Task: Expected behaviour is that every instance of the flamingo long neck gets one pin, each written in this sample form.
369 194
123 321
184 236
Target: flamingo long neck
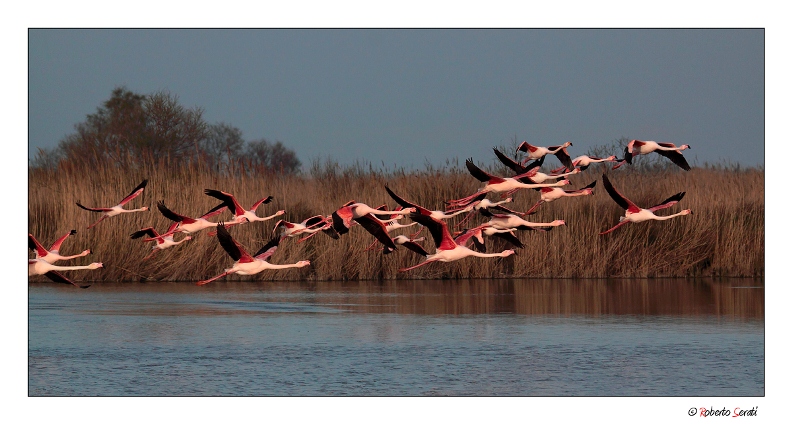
68 268
447 215
577 193
555 184
274 266
663 218
265 218
134 210
679 149
488 255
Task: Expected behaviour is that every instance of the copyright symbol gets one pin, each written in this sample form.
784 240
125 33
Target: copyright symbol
692 411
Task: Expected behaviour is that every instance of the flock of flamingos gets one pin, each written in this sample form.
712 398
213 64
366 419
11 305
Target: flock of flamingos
502 223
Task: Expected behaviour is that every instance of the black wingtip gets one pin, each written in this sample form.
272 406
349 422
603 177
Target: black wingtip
72 232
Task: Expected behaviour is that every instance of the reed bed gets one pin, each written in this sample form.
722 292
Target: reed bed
723 237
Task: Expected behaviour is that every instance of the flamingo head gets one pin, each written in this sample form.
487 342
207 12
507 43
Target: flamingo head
303 263
687 212
567 144
144 208
558 222
611 157
187 238
684 146
565 182
280 212
509 252
95 265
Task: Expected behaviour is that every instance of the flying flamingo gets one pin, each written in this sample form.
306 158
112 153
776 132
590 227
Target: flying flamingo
117 209
245 263
310 226
237 209
447 249
477 236
192 225
41 267
408 242
536 152
53 254
584 161
634 213
427 212
507 221
391 224
363 214
497 184
531 172
481 202
163 241
553 193
669 150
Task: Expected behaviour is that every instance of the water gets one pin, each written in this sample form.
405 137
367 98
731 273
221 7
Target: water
414 338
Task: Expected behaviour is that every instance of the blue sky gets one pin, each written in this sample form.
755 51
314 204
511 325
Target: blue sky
405 97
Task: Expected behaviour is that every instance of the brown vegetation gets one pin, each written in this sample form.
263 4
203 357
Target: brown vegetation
724 236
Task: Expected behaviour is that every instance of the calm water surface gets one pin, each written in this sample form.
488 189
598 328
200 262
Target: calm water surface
415 338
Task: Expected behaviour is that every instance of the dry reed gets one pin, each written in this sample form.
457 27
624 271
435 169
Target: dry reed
723 237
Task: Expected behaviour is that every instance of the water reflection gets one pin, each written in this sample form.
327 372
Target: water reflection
739 298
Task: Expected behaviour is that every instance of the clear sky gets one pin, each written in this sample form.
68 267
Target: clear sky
406 96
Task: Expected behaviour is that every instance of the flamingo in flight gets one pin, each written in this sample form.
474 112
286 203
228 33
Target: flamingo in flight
584 161
239 212
507 221
553 193
392 224
247 264
634 213
531 172
192 225
423 211
669 150
408 242
481 202
118 209
41 267
53 254
496 184
448 250
363 214
309 226
536 152
477 236
163 241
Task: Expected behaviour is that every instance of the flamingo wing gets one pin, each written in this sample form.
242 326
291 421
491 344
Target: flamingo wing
617 197
511 164
258 203
525 147
214 211
675 157
94 209
376 228
591 185
56 246
228 199
667 203
615 227
268 249
33 244
415 247
406 204
342 220
481 175
314 221
438 230
135 193
563 156
234 250
511 238
149 231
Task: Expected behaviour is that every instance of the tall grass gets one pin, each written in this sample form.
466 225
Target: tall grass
723 237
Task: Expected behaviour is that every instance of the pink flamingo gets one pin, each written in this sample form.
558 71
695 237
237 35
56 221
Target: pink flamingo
163 241
481 202
245 263
634 213
118 209
531 172
669 150
363 214
477 236
536 152
447 249
584 161
497 184
237 209
192 225
53 254
507 221
408 242
309 226
41 267
554 193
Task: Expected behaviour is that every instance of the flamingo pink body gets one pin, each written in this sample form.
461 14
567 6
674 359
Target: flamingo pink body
161 241
537 152
242 215
634 213
42 267
118 209
669 150
192 225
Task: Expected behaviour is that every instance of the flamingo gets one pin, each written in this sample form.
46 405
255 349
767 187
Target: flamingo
532 173
634 213
163 241
553 193
536 152
245 263
391 224
118 209
507 221
423 211
192 225
447 249
497 184
481 202
669 150
584 161
39 266
310 226
364 214
53 254
237 209
408 242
